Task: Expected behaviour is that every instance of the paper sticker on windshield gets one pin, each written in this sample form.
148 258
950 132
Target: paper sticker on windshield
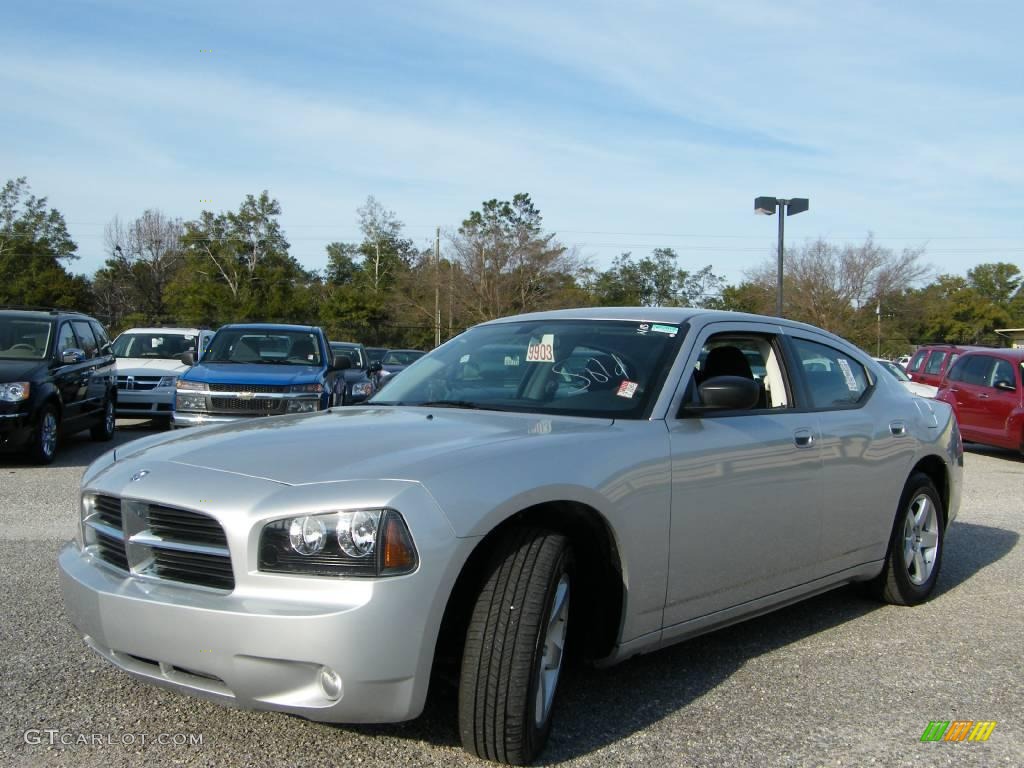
542 351
851 382
627 389
672 330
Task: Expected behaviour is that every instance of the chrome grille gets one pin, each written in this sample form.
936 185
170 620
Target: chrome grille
262 388
239 405
138 382
158 541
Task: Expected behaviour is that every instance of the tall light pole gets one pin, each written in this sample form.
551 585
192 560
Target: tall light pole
790 207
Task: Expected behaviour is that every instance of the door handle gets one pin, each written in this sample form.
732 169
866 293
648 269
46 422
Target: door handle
803 438
982 396
898 428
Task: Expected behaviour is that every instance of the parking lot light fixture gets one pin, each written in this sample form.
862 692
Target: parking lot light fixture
767 207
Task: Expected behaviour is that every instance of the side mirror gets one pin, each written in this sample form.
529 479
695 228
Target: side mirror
342 362
188 358
376 367
727 393
1005 386
72 356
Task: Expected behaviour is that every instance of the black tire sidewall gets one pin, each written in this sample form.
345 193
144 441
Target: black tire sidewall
538 735
916 593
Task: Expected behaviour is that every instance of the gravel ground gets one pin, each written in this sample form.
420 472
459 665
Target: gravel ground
834 681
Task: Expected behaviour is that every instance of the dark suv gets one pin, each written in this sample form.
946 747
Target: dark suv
56 377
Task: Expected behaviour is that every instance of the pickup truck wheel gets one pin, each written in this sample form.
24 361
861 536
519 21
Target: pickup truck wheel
915 547
46 435
515 647
104 431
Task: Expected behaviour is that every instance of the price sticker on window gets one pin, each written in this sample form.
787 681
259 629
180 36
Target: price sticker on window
542 351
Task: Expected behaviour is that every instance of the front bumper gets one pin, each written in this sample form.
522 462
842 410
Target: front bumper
15 430
145 403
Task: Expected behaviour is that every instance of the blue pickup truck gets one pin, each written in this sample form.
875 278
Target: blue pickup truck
265 369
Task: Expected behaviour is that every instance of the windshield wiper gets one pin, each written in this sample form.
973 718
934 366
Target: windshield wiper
468 404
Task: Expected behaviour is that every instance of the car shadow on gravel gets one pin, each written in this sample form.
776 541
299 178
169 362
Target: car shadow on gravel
597 708
79 450
997 453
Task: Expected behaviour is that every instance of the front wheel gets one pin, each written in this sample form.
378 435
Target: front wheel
46 435
515 648
915 546
104 431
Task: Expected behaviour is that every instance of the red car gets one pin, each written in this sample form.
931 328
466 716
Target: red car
930 363
985 389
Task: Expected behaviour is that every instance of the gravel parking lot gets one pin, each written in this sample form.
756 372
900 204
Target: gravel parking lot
837 680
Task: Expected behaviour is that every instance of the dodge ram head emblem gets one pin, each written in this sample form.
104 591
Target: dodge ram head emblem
139 475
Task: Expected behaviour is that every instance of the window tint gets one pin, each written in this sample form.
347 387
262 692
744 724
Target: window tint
935 362
84 334
1003 372
833 378
976 370
101 336
917 362
66 340
959 369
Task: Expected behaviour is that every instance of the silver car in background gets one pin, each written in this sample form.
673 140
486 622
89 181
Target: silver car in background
601 482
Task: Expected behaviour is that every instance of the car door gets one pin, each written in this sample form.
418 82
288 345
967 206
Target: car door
745 486
966 385
95 372
71 379
997 402
865 430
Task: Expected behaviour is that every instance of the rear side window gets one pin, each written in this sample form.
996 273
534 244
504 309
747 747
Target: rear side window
99 333
917 362
833 378
935 362
85 336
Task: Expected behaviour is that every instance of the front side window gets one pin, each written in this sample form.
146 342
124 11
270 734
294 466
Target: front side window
247 345
1002 376
351 352
749 356
597 368
25 339
85 337
833 378
66 340
935 362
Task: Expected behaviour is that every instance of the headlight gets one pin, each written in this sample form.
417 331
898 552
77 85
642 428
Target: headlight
14 391
313 389
198 386
303 406
361 542
362 389
189 402
167 381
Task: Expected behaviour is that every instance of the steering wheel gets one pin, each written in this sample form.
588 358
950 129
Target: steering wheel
26 347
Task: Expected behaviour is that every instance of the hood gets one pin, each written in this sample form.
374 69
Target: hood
351 443
250 373
20 370
148 366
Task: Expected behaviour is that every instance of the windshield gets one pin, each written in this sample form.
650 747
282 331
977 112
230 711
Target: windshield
349 351
894 369
402 357
24 339
600 368
162 346
247 345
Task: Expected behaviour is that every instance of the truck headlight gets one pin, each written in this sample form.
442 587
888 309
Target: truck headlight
362 389
15 391
303 406
311 389
360 542
167 381
198 386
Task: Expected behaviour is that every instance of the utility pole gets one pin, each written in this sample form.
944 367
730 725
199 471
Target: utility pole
878 321
437 287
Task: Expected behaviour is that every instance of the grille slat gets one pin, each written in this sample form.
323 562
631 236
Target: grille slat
111 550
237 404
264 388
182 525
108 509
193 568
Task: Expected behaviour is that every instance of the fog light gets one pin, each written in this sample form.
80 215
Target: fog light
330 683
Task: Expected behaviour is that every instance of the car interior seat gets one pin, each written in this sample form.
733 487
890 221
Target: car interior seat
302 349
730 361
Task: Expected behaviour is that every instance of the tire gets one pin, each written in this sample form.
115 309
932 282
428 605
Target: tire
514 649
915 547
104 431
46 435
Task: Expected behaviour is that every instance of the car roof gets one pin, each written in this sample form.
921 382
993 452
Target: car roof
268 327
347 343
165 329
1003 352
42 314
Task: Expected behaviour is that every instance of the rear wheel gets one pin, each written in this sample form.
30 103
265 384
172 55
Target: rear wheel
915 546
46 435
105 429
515 648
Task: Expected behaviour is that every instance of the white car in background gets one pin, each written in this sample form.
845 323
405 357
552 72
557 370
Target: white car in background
903 361
148 365
914 387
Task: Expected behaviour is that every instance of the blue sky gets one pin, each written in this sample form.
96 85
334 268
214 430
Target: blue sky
632 125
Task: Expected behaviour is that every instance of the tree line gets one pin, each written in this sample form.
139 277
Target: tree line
385 291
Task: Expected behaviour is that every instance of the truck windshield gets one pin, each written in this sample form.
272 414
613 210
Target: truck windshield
24 338
248 345
599 368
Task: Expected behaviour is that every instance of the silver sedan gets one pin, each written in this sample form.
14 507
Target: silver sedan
599 482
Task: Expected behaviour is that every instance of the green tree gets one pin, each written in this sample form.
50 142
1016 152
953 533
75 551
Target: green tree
34 244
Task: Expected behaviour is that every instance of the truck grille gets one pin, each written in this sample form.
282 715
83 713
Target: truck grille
261 388
239 405
137 382
164 542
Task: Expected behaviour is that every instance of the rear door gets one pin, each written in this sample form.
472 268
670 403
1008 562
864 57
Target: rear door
96 370
745 486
